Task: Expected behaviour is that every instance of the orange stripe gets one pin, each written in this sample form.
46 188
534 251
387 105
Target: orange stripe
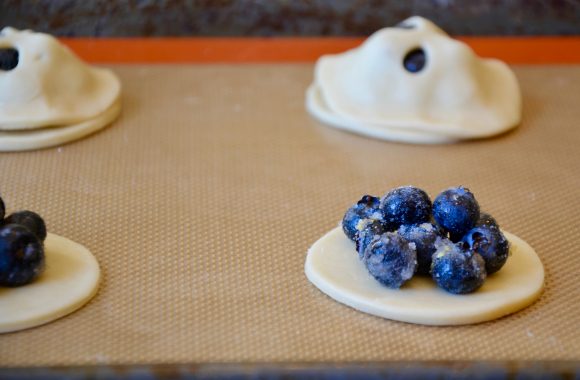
526 50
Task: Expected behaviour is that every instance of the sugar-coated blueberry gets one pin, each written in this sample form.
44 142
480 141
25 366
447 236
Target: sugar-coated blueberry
30 220
405 205
372 228
391 259
456 210
354 218
491 244
8 59
486 220
424 236
21 256
456 269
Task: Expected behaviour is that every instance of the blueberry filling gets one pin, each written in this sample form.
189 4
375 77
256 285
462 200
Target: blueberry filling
424 236
21 256
486 220
404 233
29 219
491 244
356 216
372 228
8 59
415 60
406 205
21 247
456 210
457 269
391 259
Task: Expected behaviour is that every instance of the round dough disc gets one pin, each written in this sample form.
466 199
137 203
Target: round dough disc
14 141
333 266
317 107
70 280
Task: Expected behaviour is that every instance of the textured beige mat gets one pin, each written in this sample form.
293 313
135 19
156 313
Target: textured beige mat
201 201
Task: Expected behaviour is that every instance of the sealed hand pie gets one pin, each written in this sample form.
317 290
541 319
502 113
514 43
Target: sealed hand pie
414 83
48 96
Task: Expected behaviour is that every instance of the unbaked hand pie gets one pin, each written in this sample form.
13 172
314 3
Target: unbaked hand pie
42 276
413 83
405 258
48 96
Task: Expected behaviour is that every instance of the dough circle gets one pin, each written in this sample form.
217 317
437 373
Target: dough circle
333 266
15 141
70 280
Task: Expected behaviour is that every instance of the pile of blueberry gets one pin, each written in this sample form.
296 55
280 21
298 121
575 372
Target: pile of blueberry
22 237
403 233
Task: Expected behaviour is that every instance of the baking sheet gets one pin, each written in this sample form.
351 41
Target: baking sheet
201 202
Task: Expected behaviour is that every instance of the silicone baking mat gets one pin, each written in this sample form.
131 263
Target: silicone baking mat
201 201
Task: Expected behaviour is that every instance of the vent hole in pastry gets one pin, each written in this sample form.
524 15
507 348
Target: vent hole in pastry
415 60
8 58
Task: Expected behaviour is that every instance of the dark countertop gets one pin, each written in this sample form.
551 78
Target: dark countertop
287 18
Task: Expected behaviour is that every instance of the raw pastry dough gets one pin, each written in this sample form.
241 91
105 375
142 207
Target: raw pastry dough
52 89
332 265
457 95
14 141
70 280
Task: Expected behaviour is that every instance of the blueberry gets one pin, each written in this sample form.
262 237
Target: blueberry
372 228
415 60
21 256
491 244
486 220
405 205
8 59
456 210
366 208
2 210
456 269
30 220
424 236
391 259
